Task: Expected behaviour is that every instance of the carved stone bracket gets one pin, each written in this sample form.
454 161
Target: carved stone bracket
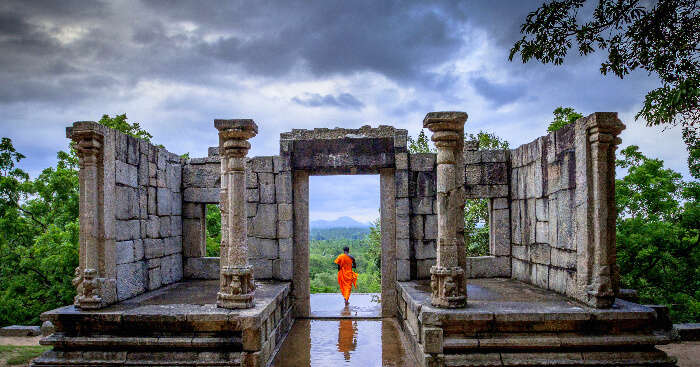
448 281
237 286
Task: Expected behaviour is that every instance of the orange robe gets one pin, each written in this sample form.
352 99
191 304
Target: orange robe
346 277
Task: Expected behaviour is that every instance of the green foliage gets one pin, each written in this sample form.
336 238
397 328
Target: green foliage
365 247
118 122
213 224
15 355
657 234
476 213
660 37
563 116
420 144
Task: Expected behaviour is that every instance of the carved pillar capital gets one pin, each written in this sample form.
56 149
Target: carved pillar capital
447 277
88 146
237 286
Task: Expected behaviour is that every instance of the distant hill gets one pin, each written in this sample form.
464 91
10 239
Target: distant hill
338 233
342 222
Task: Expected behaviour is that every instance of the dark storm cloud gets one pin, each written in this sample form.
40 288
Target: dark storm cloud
342 100
499 94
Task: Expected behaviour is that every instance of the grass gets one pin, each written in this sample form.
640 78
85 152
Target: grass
20 355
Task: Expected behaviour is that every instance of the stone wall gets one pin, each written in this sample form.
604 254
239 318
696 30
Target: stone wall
543 184
422 230
269 197
148 209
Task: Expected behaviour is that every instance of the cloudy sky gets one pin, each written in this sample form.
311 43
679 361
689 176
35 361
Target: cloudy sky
175 66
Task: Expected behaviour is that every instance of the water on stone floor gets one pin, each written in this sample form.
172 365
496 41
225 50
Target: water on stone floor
346 342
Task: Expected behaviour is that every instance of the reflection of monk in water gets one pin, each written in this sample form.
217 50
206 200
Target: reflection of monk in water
346 335
346 277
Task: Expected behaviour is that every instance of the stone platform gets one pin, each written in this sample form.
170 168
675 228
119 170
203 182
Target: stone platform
511 323
178 325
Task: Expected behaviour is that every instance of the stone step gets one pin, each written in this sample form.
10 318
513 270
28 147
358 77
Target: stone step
124 358
651 357
550 341
60 341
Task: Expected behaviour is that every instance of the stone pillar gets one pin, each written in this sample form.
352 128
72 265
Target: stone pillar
300 256
597 275
447 277
388 239
237 285
88 145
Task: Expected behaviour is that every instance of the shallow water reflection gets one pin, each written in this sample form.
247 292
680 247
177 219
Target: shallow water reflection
345 342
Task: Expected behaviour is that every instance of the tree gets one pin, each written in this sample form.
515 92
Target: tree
660 37
563 116
658 248
421 144
119 123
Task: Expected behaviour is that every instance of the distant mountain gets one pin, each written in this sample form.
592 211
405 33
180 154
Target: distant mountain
342 222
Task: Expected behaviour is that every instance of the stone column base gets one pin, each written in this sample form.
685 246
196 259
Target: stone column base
238 287
446 292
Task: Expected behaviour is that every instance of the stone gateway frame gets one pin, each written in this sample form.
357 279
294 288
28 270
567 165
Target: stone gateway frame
546 293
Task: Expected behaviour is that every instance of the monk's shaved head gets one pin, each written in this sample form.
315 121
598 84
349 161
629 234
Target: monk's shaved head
346 249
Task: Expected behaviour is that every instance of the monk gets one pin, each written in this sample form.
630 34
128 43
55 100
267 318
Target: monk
347 278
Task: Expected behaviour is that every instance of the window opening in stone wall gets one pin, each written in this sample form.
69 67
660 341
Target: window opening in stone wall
476 227
344 211
213 230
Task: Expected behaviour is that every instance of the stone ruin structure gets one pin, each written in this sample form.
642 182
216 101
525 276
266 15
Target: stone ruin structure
546 293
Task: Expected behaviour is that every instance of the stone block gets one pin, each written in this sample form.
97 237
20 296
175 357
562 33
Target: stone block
266 187
161 158
402 207
127 230
283 185
143 202
193 237
285 211
262 248
281 164
251 209
207 175
485 191
131 280
138 250
154 281
132 151
176 204
515 222
403 270
201 268
264 224
422 205
541 210
153 248
173 177
531 221
127 205
472 174
401 183
262 268
121 147
495 174
262 164
422 161
553 180
521 270
401 160
153 227
252 195
483 267
432 340
553 221
142 171
540 275
152 201
471 156
193 210
565 219
563 258
491 156
567 171
500 232
423 268
161 178
424 249
541 232
201 195
282 269
430 227
540 254
164 201
425 184
172 245
520 252
286 249
126 174
125 252
175 225
403 248
285 229
514 177
417 227
164 226
402 227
